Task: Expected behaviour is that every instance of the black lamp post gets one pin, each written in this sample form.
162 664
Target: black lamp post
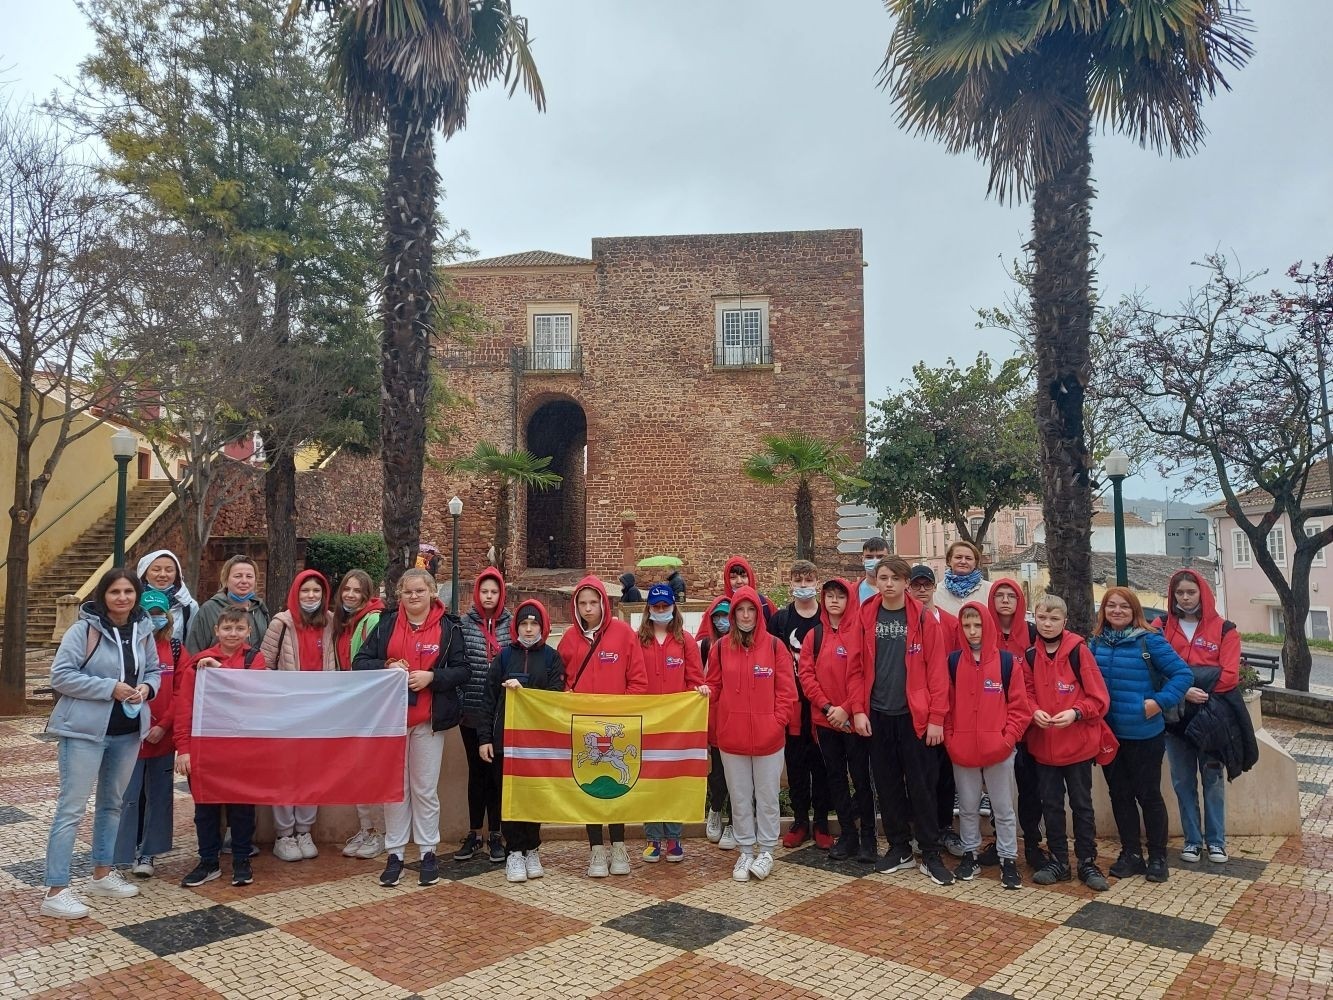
455 511
124 446
1116 465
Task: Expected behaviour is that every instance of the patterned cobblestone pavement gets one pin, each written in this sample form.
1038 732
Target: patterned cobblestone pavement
1258 926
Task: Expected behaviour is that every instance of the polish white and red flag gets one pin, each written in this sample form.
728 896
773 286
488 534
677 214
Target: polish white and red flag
278 737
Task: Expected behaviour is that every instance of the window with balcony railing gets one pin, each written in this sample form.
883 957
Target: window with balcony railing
553 348
742 339
554 359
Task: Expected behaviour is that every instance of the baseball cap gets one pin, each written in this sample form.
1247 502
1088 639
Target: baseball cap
154 599
661 593
723 608
921 572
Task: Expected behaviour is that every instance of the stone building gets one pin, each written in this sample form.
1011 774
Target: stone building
648 372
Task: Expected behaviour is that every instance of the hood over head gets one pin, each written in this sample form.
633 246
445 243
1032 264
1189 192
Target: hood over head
626 580
542 616
990 632
1207 602
726 574
489 573
847 588
706 630
740 597
1020 612
180 592
294 591
590 582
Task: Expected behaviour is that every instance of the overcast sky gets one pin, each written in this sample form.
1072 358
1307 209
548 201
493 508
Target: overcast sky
697 116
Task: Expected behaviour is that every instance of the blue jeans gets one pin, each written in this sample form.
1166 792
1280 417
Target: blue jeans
663 831
1187 764
147 817
106 763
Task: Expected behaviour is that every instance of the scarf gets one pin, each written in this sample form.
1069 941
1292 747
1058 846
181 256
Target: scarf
420 647
1113 635
961 586
488 633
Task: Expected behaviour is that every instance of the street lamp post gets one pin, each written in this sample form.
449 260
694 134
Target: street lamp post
1116 465
124 446
455 511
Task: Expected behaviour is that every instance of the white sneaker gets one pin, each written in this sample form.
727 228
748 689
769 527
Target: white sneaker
65 904
285 849
713 828
372 846
597 865
144 868
1218 855
619 859
741 873
532 861
352 846
728 839
111 884
516 868
762 865
306 845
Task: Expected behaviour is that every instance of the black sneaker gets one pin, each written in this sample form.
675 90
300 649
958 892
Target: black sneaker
240 872
1091 876
951 842
989 856
496 848
1128 865
868 852
932 867
203 872
470 848
1053 871
895 859
843 847
1009 877
967 869
430 869
393 872
984 809
1033 854
1155 871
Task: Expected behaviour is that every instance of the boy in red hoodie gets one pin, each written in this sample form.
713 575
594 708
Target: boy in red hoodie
904 659
602 655
833 678
988 714
230 652
1069 700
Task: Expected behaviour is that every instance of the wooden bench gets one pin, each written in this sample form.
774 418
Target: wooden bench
1262 661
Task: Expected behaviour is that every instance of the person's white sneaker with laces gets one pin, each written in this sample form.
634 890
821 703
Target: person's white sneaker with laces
741 873
532 860
66 905
306 845
1218 855
762 865
516 867
352 846
285 849
112 884
597 864
373 846
727 841
619 859
144 868
713 827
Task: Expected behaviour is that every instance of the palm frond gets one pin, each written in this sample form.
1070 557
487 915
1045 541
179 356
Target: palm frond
519 466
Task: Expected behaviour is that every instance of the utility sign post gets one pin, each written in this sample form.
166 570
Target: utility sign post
1187 538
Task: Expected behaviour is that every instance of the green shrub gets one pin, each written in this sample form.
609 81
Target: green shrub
1276 640
334 554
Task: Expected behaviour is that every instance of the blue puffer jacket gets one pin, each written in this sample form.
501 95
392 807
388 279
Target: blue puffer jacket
1130 684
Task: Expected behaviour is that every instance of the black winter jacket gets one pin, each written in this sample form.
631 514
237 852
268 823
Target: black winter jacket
473 692
450 669
539 668
1220 727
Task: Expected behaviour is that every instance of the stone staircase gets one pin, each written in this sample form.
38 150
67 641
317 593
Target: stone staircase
72 567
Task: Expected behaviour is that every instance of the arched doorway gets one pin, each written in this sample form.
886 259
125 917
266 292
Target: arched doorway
556 517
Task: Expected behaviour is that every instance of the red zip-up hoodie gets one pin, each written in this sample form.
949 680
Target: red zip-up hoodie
183 716
1053 687
752 690
985 722
164 703
837 676
1020 634
344 640
1212 645
953 639
927 661
616 667
672 666
764 603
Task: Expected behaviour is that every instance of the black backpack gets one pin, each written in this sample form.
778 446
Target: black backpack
1155 676
1031 656
1006 667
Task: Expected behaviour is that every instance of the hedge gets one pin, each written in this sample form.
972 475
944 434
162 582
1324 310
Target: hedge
333 555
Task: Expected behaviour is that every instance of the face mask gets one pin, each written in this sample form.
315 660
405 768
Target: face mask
869 564
745 628
237 598
527 642
159 622
722 627
661 617
350 611
803 593
310 607
131 709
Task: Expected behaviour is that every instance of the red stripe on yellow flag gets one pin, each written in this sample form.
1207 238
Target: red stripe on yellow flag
584 758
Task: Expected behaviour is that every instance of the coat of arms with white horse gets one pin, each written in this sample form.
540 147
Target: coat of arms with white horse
606 754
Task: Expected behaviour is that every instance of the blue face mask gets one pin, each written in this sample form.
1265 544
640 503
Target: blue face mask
528 641
869 564
159 622
803 593
661 617
237 598
722 626
131 709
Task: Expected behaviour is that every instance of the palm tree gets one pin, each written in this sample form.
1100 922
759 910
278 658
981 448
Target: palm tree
512 468
1021 84
803 458
411 65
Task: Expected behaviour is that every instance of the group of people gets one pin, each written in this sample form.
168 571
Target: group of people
883 690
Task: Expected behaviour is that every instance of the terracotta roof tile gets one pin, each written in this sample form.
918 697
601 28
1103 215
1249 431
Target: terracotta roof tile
1316 485
529 258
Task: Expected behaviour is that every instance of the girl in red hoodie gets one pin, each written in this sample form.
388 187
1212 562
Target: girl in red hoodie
988 712
300 638
602 655
752 690
1069 701
356 612
671 657
832 676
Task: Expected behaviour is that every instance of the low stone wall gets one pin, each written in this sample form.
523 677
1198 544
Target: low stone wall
1302 706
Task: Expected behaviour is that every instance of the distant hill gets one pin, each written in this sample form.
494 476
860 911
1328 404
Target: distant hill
1168 508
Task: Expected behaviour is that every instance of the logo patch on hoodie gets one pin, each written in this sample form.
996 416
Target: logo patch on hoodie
607 656
674 661
914 648
1203 643
1062 688
991 687
762 671
840 651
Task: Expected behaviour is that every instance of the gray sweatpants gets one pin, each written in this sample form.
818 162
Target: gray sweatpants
753 784
999 780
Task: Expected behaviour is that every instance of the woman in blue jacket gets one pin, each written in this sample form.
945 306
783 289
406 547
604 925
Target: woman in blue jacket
1145 678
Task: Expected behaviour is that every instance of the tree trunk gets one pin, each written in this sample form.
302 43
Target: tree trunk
1295 647
14 649
280 517
502 525
409 269
1061 250
805 522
